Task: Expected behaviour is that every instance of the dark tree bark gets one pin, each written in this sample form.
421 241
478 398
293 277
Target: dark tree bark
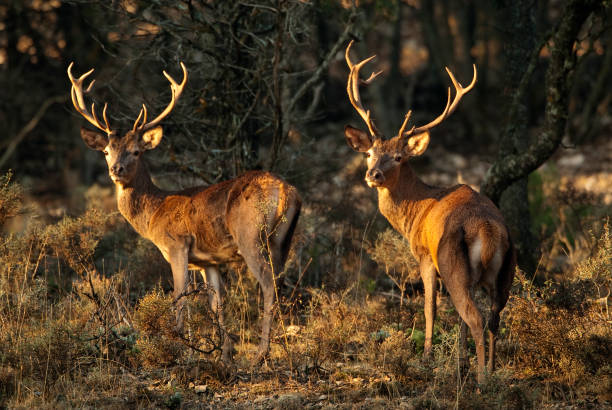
437 44
517 22
518 156
392 90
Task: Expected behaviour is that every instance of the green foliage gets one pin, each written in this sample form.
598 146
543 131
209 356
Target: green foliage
174 400
542 216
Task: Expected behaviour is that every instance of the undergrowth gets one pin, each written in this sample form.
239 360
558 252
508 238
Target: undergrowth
87 320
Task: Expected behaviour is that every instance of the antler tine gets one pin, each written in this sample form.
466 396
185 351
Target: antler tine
104 114
403 127
176 90
435 122
347 55
143 110
450 107
460 90
352 89
78 100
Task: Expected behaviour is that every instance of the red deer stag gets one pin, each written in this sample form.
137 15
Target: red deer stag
455 232
200 227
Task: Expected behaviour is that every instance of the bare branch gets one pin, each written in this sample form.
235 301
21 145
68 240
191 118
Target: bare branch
17 139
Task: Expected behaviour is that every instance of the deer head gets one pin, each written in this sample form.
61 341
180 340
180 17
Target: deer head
122 153
385 156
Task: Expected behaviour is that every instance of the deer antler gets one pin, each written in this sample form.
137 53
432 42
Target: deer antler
76 92
448 110
176 89
352 88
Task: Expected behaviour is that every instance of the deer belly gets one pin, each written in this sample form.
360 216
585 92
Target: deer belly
198 256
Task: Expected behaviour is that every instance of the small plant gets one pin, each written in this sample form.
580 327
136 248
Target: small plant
11 195
393 252
174 400
154 318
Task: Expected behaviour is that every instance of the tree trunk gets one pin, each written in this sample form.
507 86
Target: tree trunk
517 22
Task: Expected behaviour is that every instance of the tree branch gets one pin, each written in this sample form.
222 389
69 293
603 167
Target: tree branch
17 139
316 75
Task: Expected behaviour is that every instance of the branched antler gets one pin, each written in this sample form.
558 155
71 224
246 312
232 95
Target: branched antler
448 110
352 88
176 89
78 100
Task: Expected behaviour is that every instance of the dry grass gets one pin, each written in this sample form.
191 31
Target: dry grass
86 320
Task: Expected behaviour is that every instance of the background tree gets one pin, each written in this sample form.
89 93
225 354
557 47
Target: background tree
520 153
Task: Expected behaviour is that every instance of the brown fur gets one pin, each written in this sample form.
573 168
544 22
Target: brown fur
455 233
202 227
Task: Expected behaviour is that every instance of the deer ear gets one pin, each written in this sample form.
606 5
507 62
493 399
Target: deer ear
358 140
417 144
151 138
94 139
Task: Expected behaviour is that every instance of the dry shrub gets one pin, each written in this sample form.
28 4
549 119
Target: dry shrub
156 351
75 239
564 216
548 340
561 330
393 252
53 349
337 328
155 320
598 267
8 375
11 196
397 353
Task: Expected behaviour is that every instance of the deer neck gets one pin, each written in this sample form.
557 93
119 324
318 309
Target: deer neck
138 200
406 202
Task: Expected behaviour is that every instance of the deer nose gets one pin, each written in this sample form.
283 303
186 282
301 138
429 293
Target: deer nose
117 169
375 175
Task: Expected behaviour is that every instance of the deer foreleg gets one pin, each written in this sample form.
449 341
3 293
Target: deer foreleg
215 297
178 262
428 275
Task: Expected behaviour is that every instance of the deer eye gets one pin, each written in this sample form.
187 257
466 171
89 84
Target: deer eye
136 153
368 154
397 158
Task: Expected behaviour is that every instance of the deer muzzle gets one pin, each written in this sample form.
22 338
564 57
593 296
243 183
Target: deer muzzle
374 177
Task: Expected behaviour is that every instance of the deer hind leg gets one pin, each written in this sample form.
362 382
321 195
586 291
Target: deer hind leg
455 272
277 247
468 310
463 359
253 246
499 296
428 275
